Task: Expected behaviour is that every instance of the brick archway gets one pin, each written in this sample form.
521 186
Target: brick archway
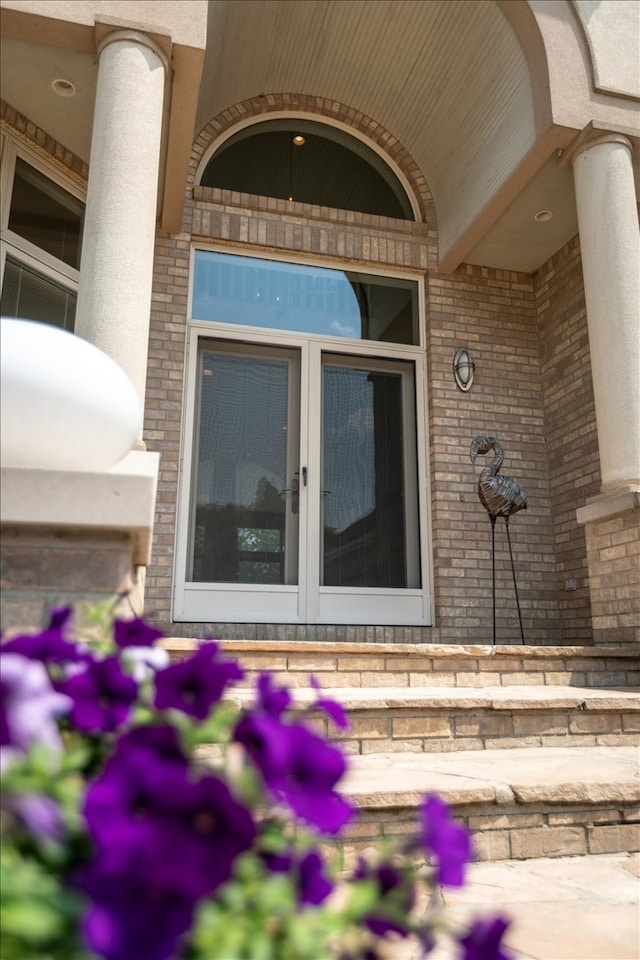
329 110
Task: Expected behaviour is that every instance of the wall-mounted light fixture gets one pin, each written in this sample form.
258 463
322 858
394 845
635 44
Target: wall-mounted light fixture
463 369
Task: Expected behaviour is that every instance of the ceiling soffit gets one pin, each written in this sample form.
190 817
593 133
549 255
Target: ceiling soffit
447 78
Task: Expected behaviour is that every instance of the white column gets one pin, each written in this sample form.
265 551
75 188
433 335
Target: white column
610 245
114 294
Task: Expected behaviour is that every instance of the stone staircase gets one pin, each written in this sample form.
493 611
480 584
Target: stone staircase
534 747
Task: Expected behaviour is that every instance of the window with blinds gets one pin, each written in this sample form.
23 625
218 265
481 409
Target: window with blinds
42 223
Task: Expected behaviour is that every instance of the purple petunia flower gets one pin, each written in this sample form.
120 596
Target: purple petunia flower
28 707
482 942
146 806
102 696
395 898
135 633
162 841
50 645
312 884
271 700
195 685
40 814
131 919
448 842
330 706
299 768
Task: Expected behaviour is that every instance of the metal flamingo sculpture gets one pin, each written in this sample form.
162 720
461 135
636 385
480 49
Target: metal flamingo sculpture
501 497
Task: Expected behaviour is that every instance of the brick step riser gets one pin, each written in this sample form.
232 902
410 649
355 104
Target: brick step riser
435 731
399 669
511 831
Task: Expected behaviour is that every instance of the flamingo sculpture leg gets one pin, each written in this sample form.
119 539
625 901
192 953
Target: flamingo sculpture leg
501 497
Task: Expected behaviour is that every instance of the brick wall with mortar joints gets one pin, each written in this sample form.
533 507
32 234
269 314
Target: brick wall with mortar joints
506 832
252 222
432 670
572 441
613 551
492 312
42 569
38 139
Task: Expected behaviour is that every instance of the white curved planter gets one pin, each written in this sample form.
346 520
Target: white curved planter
65 405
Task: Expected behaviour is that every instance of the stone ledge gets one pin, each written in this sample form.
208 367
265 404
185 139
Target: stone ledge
341 648
549 775
120 500
605 506
468 698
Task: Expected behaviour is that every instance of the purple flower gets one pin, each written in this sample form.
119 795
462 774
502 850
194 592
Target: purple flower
145 807
131 919
102 696
144 662
482 942
312 884
331 707
449 843
40 814
28 707
299 768
265 740
135 633
195 685
272 700
162 841
48 646
395 898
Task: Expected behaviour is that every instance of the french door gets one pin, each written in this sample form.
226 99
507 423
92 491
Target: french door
302 486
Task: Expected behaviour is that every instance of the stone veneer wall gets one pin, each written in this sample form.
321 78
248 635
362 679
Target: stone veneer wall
570 426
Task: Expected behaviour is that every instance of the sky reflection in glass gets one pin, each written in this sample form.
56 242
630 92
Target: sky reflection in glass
316 300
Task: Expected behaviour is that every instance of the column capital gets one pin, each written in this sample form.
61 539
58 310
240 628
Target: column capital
133 36
594 135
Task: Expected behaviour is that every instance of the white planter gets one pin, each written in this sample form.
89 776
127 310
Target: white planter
65 405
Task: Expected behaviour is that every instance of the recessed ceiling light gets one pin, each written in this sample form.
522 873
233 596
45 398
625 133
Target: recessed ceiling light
543 215
64 88
299 140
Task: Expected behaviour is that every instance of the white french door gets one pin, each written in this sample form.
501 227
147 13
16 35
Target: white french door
301 499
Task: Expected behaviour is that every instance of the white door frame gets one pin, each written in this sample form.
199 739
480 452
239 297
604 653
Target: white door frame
306 602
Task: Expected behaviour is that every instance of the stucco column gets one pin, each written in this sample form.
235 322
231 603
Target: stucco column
610 245
114 294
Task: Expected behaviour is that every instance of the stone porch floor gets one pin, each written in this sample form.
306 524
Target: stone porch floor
565 908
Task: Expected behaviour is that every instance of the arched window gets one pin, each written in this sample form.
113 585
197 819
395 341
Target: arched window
308 162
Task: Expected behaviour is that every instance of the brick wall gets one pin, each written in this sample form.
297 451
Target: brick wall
572 441
613 551
42 569
492 312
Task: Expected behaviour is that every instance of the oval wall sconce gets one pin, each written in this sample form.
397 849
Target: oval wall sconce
463 369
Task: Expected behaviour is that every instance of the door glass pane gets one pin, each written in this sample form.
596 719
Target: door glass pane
241 515
229 288
363 485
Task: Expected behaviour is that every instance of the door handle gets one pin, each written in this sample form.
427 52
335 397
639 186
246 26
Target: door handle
294 490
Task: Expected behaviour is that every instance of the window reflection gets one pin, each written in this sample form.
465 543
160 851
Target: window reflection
315 300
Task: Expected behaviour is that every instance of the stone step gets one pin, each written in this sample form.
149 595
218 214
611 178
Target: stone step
588 904
437 719
517 803
342 664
